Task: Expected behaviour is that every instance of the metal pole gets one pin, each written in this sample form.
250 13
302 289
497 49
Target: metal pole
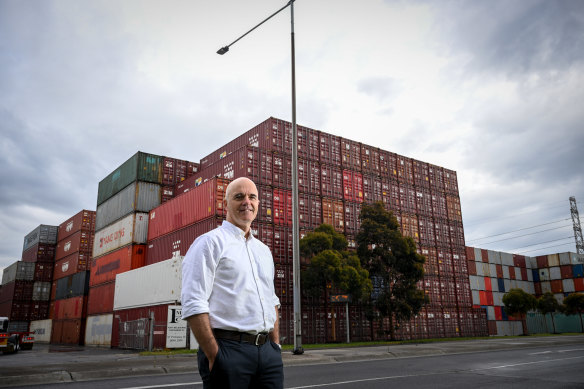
295 230
151 335
347 316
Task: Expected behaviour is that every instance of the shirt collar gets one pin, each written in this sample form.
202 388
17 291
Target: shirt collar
236 231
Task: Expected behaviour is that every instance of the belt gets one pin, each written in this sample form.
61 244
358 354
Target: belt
258 339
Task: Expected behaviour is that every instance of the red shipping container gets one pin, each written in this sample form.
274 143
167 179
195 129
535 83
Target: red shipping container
192 168
439 210
68 331
442 233
557 286
566 271
101 299
409 226
489 296
431 264
266 206
160 313
370 159
104 269
388 164
282 249
472 268
18 290
426 230
333 213
200 203
352 186
331 181
524 273
352 221
251 162
284 283
405 170
436 178
578 285
282 200
308 141
72 264
309 210
485 255
173 171
450 182
453 208
407 198
330 149
456 234
372 189
308 176
43 271
519 260
499 269
350 154
421 174
498 313
492 327
542 261
82 221
390 195
40 252
167 193
178 242
81 241
71 308
483 297
488 286
470 254
423 202
537 287
39 310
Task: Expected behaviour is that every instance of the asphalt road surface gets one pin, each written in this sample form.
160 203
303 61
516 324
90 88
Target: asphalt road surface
542 367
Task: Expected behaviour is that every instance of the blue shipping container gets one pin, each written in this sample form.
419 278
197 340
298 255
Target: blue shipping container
578 271
501 284
535 275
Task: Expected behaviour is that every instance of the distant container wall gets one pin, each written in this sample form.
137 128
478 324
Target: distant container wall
71 308
140 167
81 241
101 299
164 280
72 286
82 221
40 252
71 264
68 331
104 269
200 203
137 197
41 291
131 229
98 330
41 234
43 271
19 270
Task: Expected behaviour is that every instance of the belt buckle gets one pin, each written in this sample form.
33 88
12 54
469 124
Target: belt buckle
257 339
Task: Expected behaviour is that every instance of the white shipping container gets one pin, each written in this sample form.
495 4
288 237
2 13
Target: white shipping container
22 271
553 260
494 285
481 281
476 297
493 270
487 270
577 259
533 262
530 275
509 328
163 280
480 269
131 229
498 299
507 259
506 272
555 273
139 196
546 286
565 259
568 285
42 330
490 313
544 274
517 271
494 257
474 282
478 254
529 262
98 330
507 283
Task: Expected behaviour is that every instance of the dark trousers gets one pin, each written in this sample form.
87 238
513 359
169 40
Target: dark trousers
243 365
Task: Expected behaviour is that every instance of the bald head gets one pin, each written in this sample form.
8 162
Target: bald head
242 201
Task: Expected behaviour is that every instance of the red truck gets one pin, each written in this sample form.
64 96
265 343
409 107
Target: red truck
11 342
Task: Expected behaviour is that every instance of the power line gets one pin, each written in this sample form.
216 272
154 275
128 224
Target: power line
537 244
521 229
543 248
520 236
479 221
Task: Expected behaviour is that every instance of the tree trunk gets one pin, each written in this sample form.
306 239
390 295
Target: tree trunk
391 329
524 323
553 323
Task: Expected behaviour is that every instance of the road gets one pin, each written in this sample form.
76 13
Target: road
540 367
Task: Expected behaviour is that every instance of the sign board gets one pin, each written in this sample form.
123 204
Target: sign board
340 298
176 328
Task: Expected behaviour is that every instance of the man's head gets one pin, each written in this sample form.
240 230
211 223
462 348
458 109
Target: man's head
242 203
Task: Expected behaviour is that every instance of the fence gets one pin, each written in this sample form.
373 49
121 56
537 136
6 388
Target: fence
559 323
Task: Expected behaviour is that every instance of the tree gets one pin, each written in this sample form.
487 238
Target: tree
332 269
393 263
547 303
519 302
574 304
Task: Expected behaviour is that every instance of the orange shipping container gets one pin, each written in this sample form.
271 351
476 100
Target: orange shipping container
71 308
104 269
333 213
557 286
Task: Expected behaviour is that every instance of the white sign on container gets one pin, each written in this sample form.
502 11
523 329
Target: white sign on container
176 328
42 330
159 283
131 229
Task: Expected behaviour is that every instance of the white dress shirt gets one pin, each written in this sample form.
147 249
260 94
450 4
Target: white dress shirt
232 279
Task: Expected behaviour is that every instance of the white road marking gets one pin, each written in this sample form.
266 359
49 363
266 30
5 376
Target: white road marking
526 363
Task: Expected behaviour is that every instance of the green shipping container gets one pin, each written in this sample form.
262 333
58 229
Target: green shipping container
141 167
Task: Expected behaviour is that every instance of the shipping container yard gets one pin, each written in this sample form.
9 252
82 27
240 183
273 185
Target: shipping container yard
104 275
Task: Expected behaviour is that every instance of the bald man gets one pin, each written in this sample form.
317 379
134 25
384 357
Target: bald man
229 301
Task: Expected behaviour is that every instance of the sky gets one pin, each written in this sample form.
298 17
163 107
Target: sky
490 89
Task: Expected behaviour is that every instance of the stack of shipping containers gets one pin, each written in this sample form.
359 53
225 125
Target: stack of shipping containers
560 274
336 176
26 284
71 279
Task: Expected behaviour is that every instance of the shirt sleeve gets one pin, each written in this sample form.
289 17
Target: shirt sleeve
198 273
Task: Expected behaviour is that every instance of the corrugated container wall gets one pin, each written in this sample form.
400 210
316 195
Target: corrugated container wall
42 234
82 221
140 167
23 271
136 197
99 330
131 229
104 269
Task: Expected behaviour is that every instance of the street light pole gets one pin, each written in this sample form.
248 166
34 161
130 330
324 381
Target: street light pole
295 223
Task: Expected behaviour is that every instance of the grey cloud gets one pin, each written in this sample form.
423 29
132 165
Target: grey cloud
381 88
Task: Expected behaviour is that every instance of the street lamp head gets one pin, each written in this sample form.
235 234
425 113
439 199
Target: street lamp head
223 50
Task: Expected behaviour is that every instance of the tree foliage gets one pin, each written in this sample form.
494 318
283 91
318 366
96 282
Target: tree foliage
548 303
574 304
392 260
519 302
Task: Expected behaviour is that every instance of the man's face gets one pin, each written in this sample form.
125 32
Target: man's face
242 203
